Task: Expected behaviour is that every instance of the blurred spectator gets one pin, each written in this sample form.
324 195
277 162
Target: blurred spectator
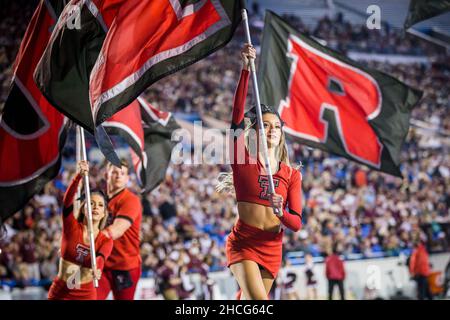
167 280
27 250
419 268
335 273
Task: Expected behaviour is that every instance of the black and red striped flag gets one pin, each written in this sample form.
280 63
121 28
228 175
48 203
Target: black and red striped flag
63 73
148 132
32 132
122 47
331 102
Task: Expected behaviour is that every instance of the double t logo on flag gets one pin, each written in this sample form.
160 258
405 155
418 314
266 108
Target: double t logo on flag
330 102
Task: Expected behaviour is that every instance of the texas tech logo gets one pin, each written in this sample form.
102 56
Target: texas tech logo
264 184
82 252
328 97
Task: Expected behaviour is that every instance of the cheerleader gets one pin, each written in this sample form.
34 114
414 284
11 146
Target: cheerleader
254 246
75 279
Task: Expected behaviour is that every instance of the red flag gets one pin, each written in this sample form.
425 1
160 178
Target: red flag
128 124
32 132
150 39
148 131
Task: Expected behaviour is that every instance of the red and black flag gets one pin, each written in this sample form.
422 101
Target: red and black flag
420 10
148 131
330 102
32 132
63 73
118 48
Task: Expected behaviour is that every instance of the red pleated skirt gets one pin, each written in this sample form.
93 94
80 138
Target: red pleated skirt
246 242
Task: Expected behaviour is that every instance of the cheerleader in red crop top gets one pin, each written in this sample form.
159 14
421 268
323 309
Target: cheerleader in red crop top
254 246
75 279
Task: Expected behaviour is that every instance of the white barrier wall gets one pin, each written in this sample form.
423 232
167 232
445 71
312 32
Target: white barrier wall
385 276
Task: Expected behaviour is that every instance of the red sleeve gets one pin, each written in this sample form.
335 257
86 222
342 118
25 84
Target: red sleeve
71 191
130 208
239 99
292 218
103 252
238 153
69 221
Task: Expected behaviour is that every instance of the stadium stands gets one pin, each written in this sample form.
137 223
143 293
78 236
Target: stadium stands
366 213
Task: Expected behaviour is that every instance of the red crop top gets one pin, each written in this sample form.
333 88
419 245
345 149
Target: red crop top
73 248
250 182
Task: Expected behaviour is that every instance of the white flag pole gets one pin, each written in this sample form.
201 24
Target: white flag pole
77 202
89 207
262 134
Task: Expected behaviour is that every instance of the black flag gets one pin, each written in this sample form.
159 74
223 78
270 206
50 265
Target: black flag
330 102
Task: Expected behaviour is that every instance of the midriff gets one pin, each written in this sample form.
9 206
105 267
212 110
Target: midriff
258 216
68 269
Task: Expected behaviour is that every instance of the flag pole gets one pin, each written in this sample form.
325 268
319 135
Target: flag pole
76 207
262 134
89 207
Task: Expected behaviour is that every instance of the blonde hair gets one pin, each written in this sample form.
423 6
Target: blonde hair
225 179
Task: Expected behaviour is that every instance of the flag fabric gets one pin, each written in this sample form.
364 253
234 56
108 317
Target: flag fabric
420 10
63 73
32 132
150 39
122 47
148 131
331 102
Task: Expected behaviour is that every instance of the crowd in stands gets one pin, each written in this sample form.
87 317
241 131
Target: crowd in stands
185 222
